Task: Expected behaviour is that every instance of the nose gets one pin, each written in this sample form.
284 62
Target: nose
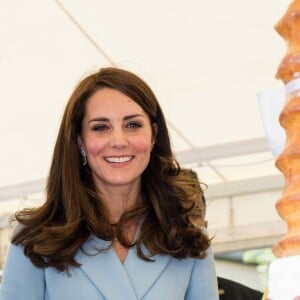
118 138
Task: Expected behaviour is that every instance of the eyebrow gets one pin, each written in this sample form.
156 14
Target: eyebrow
126 118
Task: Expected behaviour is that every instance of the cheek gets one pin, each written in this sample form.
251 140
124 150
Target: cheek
143 145
93 147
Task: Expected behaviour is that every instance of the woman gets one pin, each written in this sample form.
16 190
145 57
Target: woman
117 220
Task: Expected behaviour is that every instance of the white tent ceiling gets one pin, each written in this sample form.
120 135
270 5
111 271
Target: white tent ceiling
206 61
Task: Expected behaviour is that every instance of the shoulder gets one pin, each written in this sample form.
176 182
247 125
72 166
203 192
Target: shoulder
206 263
18 261
20 276
203 280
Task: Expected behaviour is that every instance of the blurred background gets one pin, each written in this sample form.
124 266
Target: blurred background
212 65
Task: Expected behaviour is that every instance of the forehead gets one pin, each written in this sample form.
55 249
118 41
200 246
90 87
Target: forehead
108 101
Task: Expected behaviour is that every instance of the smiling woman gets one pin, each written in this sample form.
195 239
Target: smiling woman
118 207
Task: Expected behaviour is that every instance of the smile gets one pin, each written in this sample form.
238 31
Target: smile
118 159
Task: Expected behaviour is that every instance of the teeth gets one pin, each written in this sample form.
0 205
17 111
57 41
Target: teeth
122 159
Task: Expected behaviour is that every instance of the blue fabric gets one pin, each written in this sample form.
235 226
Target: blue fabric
103 276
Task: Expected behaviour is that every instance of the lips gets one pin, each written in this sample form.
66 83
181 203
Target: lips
118 159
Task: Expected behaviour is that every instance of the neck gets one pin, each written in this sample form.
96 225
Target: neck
119 199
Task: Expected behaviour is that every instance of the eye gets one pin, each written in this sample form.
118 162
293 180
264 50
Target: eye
134 125
100 127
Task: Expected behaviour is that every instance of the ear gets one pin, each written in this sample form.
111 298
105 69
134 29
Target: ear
155 128
80 142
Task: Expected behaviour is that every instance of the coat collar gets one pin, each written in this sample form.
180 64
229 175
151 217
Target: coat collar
114 279
143 273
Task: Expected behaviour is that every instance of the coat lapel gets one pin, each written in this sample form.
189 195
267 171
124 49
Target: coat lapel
105 270
144 273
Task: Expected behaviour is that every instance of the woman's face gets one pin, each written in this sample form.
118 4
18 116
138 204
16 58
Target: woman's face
117 137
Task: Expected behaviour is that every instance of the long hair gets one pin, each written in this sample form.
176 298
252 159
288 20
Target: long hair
52 233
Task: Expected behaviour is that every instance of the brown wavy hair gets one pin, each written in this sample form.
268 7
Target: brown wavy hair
52 233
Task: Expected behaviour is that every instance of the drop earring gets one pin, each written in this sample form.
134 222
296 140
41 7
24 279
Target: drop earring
83 155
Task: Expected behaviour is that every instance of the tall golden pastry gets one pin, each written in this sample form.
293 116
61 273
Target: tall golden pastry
288 206
284 271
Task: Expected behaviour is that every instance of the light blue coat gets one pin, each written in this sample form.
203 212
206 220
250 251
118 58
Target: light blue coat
103 276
